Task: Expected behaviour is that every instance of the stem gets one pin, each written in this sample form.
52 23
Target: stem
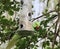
54 39
59 40
48 3
58 21
42 46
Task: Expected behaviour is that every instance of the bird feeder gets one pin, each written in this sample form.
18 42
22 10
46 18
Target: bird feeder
25 26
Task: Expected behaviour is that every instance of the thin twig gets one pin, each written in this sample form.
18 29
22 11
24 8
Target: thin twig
48 2
58 34
55 35
43 15
54 39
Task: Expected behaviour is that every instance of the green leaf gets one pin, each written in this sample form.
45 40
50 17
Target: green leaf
10 12
36 23
31 45
46 43
56 42
47 47
35 47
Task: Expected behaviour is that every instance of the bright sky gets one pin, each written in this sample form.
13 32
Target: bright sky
38 8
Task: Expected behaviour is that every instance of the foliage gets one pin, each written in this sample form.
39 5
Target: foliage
7 26
8 29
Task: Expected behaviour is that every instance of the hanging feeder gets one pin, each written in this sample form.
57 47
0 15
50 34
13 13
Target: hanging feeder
25 26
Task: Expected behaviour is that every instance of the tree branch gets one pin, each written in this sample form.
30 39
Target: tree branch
43 15
56 32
